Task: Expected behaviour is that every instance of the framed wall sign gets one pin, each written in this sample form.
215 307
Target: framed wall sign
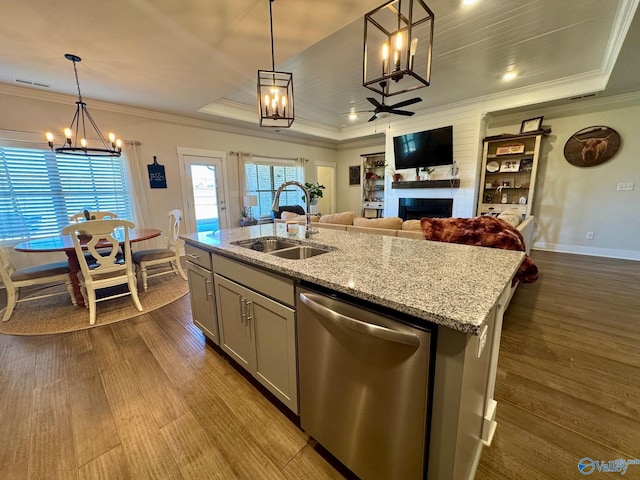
354 175
510 149
531 125
157 178
592 146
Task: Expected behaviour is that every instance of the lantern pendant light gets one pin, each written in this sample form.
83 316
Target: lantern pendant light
398 40
275 92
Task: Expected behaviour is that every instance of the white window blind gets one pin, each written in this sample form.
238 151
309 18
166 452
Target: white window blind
263 177
40 190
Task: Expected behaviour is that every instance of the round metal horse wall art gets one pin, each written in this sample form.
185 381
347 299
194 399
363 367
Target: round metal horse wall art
591 146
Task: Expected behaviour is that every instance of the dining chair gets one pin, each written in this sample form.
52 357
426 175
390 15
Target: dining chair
108 270
46 274
160 256
97 215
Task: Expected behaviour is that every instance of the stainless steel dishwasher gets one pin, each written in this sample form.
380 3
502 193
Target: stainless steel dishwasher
364 386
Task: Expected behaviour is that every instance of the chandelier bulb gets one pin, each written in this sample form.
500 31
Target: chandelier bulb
83 142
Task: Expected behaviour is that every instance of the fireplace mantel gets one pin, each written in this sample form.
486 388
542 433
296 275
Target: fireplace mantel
452 183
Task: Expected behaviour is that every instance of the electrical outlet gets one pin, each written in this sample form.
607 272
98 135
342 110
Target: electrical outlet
625 187
589 235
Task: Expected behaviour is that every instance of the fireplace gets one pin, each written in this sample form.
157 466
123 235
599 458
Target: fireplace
416 208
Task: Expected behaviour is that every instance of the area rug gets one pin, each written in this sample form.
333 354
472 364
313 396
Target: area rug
57 315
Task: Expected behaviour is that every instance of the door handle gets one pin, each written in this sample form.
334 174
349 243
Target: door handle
312 300
209 290
249 306
243 309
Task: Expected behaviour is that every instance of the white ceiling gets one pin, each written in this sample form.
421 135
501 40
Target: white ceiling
199 59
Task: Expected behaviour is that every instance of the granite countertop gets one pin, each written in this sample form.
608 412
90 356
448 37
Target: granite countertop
451 285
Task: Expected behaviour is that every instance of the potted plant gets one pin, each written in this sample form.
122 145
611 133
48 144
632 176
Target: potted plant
429 171
315 192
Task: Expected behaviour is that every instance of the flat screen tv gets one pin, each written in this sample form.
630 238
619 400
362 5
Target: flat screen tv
424 149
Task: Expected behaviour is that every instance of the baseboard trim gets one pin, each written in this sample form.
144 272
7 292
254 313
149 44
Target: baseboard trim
588 251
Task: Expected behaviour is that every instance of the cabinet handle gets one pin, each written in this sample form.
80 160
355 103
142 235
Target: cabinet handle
249 306
243 309
209 290
191 255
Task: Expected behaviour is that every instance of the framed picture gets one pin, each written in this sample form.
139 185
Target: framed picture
510 165
507 183
526 165
531 125
354 175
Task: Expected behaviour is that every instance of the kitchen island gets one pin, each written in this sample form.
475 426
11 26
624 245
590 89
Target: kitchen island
455 291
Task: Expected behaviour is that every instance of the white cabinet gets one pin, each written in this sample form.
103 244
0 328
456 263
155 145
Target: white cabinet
203 303
508 173
258 332
373 169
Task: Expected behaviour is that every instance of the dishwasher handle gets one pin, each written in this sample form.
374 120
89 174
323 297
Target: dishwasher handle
313 300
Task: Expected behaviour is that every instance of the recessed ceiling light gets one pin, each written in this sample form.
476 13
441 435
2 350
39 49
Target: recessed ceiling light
509 75
353 116
469 2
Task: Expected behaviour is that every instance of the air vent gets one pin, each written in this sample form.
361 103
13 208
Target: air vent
31 83
588 95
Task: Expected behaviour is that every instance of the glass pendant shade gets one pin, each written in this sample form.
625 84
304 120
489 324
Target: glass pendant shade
398 40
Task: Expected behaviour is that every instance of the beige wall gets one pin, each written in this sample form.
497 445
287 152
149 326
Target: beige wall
571 201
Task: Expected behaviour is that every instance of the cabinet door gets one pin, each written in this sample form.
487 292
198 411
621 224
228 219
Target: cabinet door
203 304
274 331
236 336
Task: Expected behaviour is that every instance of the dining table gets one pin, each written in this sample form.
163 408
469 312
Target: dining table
64 243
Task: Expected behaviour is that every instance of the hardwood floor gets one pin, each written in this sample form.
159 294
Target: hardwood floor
145 398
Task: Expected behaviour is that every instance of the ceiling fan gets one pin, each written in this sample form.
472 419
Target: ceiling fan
381 107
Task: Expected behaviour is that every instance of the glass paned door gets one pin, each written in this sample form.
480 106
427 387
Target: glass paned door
206 200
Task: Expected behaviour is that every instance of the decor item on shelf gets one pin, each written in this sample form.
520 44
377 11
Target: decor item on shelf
592 146
504 198
510 149
315 192
396 177
510 165
398 40
493 166
76 140
275 92
531 125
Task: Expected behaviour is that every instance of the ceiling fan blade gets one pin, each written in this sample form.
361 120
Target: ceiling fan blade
375 102
406 113
411 101
373 118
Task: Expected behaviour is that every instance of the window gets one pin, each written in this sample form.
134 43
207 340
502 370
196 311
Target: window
40 190
264 176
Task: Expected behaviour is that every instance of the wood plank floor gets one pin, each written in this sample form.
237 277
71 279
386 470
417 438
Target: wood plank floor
146 398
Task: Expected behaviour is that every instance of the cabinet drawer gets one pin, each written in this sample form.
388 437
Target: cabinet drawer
270 284
198 256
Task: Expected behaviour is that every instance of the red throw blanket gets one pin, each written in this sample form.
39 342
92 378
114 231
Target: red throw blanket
484 231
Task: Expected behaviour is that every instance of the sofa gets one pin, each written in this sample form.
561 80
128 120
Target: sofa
396 227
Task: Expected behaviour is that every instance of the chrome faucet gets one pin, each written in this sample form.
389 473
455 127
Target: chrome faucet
276 204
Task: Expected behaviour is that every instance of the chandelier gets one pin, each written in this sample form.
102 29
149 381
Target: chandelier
275 92
398 39
75 142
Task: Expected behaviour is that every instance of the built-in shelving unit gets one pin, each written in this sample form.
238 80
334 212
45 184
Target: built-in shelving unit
373 170
508 173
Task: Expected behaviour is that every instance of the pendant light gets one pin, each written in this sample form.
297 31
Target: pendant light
398 39
76 140
275 92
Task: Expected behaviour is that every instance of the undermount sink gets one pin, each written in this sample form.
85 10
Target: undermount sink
283 248
265 245
299 252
